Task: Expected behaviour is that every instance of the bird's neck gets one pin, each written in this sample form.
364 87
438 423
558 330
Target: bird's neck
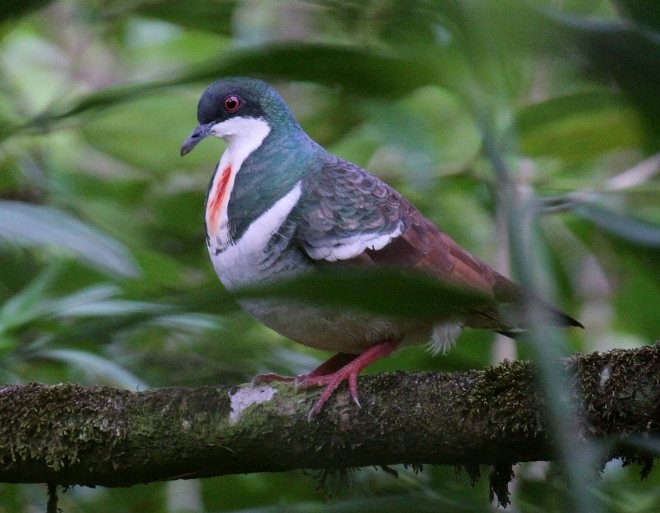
259 167
243 138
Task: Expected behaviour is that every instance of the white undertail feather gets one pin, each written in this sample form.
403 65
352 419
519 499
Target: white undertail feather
444 336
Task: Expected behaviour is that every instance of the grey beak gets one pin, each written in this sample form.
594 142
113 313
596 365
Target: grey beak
195 136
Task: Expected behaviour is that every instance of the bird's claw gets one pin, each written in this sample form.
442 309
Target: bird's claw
333 372
331 382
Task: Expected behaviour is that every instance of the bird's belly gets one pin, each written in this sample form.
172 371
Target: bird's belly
238 266
333 329
321 327
265 254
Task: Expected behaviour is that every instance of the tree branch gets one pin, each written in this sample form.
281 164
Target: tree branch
70 434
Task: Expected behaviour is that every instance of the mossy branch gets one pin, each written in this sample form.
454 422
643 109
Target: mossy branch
70 434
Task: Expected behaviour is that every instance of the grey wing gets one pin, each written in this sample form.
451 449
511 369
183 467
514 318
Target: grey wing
347 211
348 214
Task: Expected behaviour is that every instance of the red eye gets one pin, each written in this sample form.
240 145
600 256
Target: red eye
232 103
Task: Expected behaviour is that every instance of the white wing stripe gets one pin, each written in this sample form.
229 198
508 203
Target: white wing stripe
350 247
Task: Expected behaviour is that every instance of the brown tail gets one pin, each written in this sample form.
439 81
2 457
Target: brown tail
508 315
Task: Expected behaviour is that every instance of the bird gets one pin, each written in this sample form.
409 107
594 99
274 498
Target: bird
279 205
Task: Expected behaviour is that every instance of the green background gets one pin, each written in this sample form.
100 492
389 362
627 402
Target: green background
462 106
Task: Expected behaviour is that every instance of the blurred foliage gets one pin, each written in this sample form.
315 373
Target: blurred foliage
104 274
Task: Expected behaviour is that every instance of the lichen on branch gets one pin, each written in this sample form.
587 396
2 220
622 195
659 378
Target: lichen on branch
70 434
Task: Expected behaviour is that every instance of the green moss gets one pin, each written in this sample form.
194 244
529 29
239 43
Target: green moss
616 401
490 414
499 478
506 393
613 397
55 424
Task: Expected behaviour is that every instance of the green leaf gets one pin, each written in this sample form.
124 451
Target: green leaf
84 297
430 129
420 503
380 291
579 126
622 51
111 308
154 121
207 297
27 304
187 321
38 226
644 12
634 302
95 366
637 231
212 15
16 8
355 69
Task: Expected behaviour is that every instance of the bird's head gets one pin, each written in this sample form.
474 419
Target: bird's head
238 107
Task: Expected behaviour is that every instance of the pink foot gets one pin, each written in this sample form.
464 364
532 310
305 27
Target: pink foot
331 373
327 367
330 377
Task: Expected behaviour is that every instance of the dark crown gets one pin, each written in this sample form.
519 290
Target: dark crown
242 96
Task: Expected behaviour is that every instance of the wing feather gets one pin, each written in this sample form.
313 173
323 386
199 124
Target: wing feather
352 216
346 211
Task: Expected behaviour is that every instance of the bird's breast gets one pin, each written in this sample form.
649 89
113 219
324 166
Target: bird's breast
217 201
263 251
216 207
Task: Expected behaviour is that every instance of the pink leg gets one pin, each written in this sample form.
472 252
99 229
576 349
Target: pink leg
329 366
333 364
325 377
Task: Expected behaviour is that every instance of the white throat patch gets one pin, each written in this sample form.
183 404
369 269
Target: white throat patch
243 135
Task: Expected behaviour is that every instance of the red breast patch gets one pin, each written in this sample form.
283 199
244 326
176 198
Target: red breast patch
215 203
